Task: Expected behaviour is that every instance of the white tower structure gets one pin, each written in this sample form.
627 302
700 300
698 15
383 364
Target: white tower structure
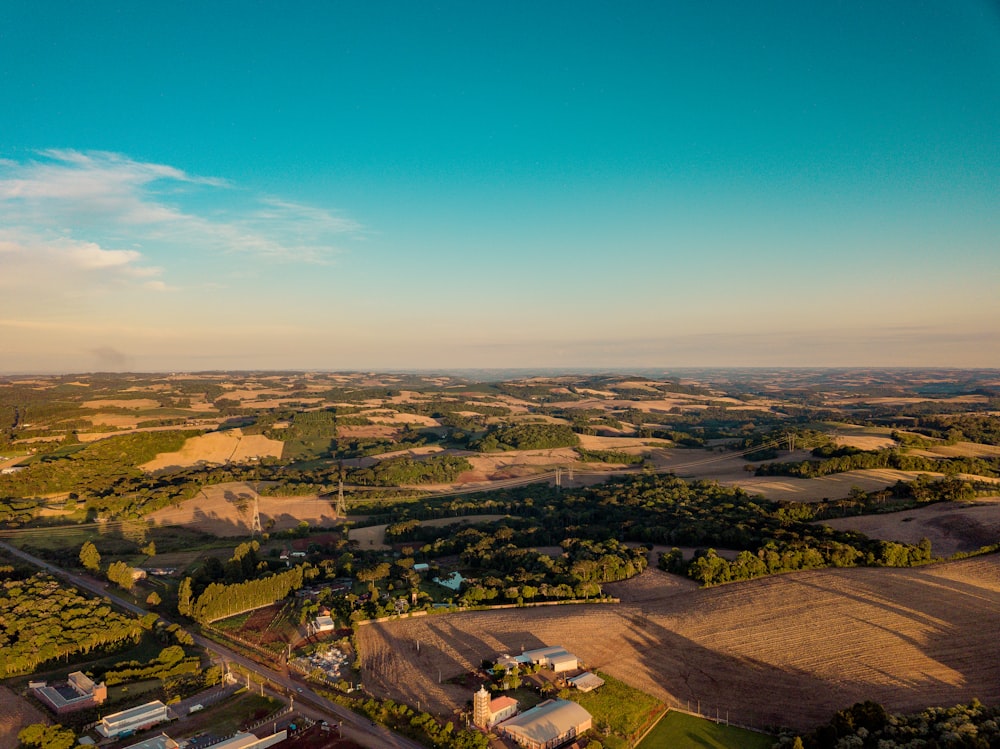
481 708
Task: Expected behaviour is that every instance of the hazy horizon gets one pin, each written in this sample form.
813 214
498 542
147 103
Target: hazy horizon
402 187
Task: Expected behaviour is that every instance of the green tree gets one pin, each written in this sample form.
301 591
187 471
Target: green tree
121 574
47 737
184 597
90 557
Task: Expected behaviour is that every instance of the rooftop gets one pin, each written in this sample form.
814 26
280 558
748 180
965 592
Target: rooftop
547 721
134 712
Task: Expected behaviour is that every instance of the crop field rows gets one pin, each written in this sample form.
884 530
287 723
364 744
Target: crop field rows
787 650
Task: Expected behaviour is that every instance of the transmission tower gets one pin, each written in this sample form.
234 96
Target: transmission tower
341 504
255 523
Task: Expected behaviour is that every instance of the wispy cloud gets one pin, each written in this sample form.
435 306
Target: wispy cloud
97 202
82 231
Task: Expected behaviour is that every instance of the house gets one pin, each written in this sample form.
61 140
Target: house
78 692
421 567
135 719
452 582
323 624
586 682
547 725
486 713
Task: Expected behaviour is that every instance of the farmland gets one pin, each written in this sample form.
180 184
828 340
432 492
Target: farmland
952 527
505 481
15 713
785 650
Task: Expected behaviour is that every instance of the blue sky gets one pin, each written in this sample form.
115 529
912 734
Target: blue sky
214 185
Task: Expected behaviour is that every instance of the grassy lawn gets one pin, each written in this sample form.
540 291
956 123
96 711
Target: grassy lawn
683 731
233 623
122 692
624 709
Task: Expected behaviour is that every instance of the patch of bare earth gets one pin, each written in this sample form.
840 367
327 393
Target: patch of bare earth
786 650
15 714
951 527
518 463
593 442
227 510
864 441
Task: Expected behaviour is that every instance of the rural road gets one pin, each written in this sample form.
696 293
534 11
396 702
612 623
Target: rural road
308 702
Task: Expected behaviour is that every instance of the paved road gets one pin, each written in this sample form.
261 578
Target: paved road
306 701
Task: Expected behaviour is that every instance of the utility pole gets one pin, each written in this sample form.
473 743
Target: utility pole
558 478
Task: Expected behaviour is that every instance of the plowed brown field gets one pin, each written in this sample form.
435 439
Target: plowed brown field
951 526
787 650
15 714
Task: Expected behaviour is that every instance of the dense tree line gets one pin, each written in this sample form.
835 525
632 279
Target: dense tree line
868 725
41 620
219 600
609 456
95 469
852 461
982 428
651 509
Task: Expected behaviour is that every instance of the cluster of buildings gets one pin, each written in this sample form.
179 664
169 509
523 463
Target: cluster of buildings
144 717
547 725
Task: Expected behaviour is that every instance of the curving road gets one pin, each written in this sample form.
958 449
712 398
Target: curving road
306 701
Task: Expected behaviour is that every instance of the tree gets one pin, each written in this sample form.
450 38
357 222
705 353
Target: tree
90 558
153 599
47 737
149 549
121 574
184 597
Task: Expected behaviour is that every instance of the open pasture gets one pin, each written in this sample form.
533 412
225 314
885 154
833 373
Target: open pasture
230 446
784 650
679 730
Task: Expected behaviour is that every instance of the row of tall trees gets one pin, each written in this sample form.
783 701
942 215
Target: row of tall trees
218 600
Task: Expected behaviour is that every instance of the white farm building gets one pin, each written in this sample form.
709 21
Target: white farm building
132 720
556 658
548 725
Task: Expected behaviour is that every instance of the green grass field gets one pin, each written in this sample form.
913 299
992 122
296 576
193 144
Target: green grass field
624 709
683 731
